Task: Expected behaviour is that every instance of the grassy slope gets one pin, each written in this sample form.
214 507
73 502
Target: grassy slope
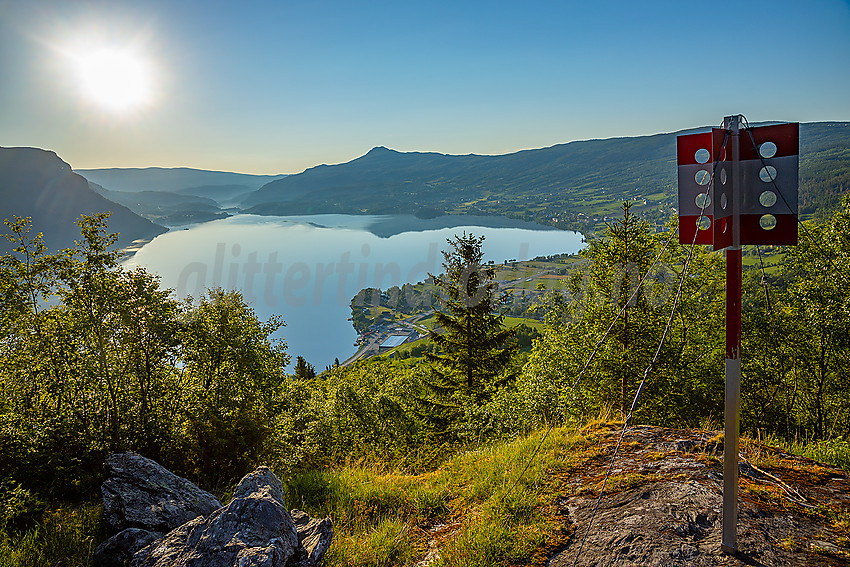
65 536
482 507
477 508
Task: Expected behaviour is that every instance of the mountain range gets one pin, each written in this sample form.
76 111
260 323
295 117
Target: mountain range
568 185
577 185
174 179
176 196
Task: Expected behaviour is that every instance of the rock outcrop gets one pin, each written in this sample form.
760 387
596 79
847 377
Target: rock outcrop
663 505
141 493
314 538
254 529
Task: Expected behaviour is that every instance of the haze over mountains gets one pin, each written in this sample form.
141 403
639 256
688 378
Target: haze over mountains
166 208
574 185
176 196
172 179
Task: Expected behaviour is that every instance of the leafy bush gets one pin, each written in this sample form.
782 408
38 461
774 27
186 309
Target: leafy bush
97 359
18 506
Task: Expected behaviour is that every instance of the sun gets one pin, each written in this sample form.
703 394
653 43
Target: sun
116 79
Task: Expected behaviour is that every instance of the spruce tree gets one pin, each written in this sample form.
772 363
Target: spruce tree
474 347
303 369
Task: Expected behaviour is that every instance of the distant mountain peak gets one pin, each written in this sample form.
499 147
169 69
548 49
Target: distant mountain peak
382 150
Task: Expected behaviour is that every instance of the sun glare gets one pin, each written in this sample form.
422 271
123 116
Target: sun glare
116 79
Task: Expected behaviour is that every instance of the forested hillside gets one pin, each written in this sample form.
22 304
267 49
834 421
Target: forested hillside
574 185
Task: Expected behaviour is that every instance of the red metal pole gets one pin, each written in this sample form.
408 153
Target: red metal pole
733 303
729 541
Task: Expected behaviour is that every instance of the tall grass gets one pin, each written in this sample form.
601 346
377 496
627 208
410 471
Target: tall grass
495 506
834 452
66 536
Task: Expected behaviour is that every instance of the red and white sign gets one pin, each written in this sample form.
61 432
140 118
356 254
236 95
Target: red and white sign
739 187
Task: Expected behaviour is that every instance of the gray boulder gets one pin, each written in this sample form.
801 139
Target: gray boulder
314 537
141 493
262 479
254 530
118 550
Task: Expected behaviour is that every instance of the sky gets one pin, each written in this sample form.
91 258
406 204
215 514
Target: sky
280 86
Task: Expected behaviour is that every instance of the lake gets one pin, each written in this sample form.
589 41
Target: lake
307 268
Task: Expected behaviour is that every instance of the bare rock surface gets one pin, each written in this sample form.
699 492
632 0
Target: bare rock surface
118 550
141 493
261 480
663 505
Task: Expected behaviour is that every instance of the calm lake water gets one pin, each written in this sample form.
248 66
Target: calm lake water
307 268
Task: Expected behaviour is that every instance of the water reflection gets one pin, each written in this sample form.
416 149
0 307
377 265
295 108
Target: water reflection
307 268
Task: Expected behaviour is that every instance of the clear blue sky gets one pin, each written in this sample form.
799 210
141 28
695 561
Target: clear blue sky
279 86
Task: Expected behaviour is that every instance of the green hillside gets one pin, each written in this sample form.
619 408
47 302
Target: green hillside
574 185
409 456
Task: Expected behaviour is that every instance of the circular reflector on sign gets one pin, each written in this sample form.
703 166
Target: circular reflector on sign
768 174
702 177
767 198
702 155
767 150
703 223
767 222
703 200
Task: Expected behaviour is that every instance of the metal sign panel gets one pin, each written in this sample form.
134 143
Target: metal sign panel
695 160
725 145
769 184
739 186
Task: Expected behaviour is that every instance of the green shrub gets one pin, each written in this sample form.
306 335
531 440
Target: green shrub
18 506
